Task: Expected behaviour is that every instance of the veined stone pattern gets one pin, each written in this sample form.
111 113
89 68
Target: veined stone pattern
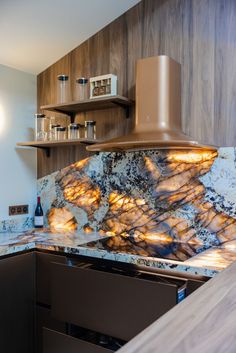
187 196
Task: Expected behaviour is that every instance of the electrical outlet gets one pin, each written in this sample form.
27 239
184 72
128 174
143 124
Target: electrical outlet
18 209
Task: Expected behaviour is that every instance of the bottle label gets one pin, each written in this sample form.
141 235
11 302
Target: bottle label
38 221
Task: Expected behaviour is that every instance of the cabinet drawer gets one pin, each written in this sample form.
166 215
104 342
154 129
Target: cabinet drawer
43 277
115 305
44 319
55 342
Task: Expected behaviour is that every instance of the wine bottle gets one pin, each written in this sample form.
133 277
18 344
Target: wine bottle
38 215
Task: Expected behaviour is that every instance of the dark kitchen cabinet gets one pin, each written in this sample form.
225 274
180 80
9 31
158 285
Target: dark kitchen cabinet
52 303
17 293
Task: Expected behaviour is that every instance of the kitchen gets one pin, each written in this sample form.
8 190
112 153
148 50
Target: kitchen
131 155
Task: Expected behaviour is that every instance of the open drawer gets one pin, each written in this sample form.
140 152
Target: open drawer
113 304
55 342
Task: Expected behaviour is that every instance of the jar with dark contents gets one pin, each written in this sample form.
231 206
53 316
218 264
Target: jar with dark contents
90 130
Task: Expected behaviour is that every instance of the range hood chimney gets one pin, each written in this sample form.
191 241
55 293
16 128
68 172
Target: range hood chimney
158 110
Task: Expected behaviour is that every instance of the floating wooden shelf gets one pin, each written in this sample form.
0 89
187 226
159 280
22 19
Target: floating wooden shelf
72 108
46 145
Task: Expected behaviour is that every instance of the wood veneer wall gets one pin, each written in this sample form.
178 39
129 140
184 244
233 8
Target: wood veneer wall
200 34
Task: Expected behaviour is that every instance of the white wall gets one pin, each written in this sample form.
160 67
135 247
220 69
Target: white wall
17 166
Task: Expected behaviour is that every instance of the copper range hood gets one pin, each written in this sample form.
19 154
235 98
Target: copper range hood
158 110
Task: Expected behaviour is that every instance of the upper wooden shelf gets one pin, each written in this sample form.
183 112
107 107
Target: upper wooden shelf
74 107
50 144
47 145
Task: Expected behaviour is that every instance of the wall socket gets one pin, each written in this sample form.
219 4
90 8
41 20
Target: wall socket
18 209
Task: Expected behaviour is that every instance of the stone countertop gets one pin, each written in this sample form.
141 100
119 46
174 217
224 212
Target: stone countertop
207 263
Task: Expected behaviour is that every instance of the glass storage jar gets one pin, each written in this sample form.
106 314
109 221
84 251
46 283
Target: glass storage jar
74 131
40 127
90 130
60 133
52 132
62 88
81 88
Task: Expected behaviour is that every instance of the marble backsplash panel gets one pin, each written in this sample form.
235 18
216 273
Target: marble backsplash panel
187 196
17 225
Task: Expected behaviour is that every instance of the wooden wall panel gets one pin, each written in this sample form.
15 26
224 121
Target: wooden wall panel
202 112
200 34
225 74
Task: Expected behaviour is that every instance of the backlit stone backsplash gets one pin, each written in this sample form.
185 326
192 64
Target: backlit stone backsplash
183 195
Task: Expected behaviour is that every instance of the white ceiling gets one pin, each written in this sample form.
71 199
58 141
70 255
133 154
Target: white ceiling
36 33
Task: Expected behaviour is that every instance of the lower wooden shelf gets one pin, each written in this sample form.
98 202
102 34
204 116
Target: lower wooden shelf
47 145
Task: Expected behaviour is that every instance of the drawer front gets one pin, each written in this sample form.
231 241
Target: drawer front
114 305
43 277
44 319
55 342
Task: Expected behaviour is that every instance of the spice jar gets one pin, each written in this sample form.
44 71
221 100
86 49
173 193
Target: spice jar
90 130
81 88
74 131
40 127
60 133
62 88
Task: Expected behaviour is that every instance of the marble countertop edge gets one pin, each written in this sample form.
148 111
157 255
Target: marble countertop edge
149 262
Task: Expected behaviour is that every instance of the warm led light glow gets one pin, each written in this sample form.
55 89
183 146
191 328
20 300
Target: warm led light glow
87 229
2 119
83 193
191 156
152 168
214 258
230 245
154 237
61 219
81 164
118 200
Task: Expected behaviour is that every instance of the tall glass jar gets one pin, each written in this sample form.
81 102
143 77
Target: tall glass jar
60 133
52 132
81 88
40 127
74 131
62 88
90 129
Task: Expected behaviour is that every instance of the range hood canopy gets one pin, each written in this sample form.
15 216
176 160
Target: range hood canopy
158 110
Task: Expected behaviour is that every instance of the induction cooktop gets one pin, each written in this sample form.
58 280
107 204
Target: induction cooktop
172 250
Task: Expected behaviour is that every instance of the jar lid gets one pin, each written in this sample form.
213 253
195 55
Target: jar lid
90 122
60 128
39 115
62 77
74 126
55 125
82 80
